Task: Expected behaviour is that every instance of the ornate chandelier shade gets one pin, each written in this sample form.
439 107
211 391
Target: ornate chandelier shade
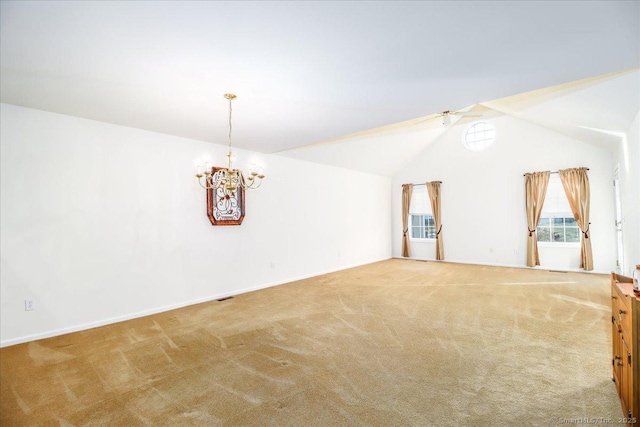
229 179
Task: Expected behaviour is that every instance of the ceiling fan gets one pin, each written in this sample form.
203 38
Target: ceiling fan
446 115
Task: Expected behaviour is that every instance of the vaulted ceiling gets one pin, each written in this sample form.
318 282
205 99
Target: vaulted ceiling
594 110
309 72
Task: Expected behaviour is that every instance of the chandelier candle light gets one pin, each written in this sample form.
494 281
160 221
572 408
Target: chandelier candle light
228 178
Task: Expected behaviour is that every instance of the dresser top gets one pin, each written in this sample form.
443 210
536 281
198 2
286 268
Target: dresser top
626 288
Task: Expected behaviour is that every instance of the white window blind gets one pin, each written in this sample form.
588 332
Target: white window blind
555 202
420 203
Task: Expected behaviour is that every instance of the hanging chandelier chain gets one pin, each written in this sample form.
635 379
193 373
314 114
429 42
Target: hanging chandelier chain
230 128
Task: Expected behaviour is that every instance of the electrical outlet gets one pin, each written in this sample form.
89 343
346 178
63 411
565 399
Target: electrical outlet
29 305
273 265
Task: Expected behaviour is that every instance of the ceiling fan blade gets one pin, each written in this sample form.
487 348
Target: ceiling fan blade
467 113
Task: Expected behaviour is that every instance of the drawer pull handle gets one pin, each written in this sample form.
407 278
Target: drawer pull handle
622 312
614 297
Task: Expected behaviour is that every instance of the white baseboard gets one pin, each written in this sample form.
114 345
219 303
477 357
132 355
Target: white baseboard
572 270
109 321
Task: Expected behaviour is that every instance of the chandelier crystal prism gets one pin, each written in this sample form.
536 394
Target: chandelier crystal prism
229 178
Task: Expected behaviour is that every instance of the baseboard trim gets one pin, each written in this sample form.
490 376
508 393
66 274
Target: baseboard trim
117 319
542 268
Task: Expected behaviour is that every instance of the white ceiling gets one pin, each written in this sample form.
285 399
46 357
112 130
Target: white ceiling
304 72
595 111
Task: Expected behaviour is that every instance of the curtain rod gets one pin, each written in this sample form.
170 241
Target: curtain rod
417 185
554 172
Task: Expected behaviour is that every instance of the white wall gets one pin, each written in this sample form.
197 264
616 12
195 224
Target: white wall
628 160
102 223
483 195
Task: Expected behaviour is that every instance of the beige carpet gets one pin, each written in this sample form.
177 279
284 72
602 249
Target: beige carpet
395 343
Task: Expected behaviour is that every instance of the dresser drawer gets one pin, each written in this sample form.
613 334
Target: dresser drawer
621 310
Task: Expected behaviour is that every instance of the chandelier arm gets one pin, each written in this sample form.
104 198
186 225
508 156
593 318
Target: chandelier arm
254 183
241 180
208 182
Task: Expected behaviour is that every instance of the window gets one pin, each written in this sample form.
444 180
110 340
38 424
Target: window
557 224
423 225
558 230
478 136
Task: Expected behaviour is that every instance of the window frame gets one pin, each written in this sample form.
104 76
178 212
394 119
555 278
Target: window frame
487 143
422 226
552 243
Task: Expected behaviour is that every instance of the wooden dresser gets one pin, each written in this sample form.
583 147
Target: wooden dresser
625 319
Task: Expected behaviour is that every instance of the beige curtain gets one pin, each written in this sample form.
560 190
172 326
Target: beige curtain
434 197
535 189
407 189
576 187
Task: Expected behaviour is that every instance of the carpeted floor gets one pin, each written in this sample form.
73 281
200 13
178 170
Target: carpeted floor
395 343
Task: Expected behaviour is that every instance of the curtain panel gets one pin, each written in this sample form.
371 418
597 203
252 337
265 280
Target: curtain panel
407 190
535 191
434 196
576 186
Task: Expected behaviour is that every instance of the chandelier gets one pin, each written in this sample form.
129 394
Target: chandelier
229 178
